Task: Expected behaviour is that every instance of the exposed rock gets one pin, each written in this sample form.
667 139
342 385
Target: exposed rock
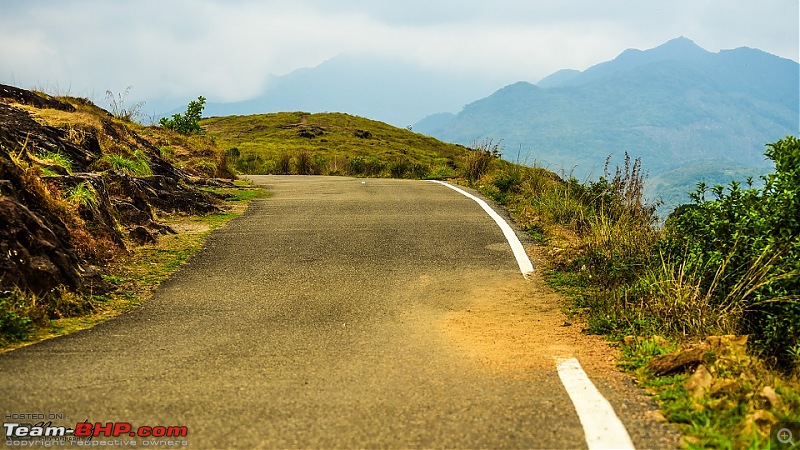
699 382
213 182
759 421
681 360
31 98
102 214
362 134
772 397
724 385
131 215
142 236
160 192
38 250
35 252
18 129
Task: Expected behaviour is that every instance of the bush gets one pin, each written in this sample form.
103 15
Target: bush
744 246
479 158
303 163
188 123
15 325
284 164
399 167
320 165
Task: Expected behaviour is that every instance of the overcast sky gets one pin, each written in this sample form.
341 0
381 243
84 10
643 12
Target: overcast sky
225 49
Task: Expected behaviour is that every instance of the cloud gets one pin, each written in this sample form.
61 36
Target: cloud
226 50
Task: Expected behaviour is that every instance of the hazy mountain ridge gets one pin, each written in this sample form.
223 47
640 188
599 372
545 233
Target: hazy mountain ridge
670 105
383 89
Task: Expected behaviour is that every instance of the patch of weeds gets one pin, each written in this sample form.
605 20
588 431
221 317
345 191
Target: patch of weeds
56 159
243 193
479 158
167 154
119 109
537 233
442 172
15 325
735 408
138 165
83 194
114 279
303 163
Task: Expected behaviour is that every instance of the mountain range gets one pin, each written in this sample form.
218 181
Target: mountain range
384 89
688 113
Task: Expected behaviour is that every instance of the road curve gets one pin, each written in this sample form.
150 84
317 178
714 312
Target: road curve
340 313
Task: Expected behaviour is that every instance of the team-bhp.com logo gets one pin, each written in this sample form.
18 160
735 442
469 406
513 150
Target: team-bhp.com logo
85 429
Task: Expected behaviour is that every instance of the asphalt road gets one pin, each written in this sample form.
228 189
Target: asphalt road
319 319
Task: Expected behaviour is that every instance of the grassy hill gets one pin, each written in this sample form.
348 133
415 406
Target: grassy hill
330 144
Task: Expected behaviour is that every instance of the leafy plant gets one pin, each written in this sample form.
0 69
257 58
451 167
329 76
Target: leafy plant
15 325
755 235
189 122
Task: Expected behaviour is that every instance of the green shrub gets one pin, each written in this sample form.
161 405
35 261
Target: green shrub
189 122
251 164
303 163
441 173
15 325
319 164
509 179
399 167
479 158
356 165
744 244
368 166
284 164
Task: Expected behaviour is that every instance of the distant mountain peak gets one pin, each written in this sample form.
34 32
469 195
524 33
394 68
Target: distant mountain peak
678 49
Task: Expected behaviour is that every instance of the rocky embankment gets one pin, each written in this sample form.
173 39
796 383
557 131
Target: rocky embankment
67 205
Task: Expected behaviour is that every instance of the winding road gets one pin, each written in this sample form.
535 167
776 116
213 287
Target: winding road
339 313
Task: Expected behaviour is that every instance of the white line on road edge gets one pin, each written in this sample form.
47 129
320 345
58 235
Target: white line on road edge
525 265
601 426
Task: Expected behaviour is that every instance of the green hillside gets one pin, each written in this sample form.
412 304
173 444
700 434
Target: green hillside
330 143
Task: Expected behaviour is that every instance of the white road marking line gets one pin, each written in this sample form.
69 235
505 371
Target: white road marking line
601 426
525 265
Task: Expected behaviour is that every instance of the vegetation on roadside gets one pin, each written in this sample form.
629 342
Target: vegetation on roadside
725 265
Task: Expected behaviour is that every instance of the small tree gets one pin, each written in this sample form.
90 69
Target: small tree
188 123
